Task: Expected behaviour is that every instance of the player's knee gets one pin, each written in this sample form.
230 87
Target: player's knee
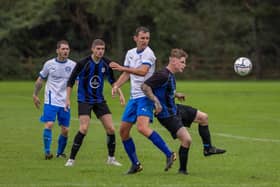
83 129
143 129
124 134
110 130
204 118
64 131
49 125
186 142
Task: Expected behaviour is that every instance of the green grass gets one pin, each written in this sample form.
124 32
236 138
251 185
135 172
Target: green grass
243 116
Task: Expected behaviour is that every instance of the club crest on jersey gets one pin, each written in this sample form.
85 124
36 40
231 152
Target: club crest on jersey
95 82
103 70
68 69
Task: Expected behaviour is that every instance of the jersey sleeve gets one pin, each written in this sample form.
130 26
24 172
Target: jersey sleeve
127 60
110 72
148 58
45 71
157 79
76 71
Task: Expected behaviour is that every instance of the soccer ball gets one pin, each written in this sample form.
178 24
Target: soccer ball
243 66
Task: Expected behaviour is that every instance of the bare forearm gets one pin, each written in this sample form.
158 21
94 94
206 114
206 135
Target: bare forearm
135 71
122 79
68 93
38 86
148 92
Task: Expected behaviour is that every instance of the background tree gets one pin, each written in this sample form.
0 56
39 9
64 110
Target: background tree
214 33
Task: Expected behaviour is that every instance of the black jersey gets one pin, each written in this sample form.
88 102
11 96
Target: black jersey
163 84
91 76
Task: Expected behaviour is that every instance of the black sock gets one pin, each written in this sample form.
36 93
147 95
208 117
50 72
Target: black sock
183 157
78 140
111 144
205 136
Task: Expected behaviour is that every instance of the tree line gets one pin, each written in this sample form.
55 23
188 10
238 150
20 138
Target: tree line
214 33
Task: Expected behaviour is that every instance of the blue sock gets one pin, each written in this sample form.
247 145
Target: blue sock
47 137
159 142
62 141
130 150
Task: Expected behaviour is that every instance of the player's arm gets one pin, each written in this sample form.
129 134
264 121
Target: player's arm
121 80
122 98
37 88
71 81
68 98
149 93
140 71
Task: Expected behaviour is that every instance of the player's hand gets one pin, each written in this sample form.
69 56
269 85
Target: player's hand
122 100
114 91
158 108
180 96
115 66
36 101
67 105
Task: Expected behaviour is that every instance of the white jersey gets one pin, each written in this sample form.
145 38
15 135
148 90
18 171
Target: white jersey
57 74
134 59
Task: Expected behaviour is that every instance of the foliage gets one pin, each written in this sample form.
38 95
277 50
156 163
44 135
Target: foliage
214 32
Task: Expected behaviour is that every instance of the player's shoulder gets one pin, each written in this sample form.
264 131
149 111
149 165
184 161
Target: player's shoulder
162 73
149 54
148 50
132 51
72 62
49 61
84 60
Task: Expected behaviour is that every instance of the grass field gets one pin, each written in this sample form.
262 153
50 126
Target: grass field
244 119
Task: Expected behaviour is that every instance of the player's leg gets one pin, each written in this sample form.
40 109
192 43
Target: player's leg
128 119
144 117
111 138
204 132
48 118
185 139
47 138
64 122
84 111
177 130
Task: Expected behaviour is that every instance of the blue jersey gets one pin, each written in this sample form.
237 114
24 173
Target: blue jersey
91 76
163 84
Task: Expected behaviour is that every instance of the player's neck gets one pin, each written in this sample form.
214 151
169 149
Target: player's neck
60 59
170 68
95 58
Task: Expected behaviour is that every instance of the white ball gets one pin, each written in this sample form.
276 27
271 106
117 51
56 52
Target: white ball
243 66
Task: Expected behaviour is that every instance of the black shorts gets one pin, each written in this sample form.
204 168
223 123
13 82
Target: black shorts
99 109
172 124
187 114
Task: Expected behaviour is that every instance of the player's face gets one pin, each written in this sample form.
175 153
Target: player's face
98 51
63 52
142 40
179 63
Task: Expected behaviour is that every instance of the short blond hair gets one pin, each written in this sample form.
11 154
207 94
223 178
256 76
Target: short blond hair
97 42
178 53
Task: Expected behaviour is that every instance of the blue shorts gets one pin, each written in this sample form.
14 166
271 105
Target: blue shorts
50 112
142 106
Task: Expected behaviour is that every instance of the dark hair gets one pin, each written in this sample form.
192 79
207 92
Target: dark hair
97 42
178 53
141 29
58 44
